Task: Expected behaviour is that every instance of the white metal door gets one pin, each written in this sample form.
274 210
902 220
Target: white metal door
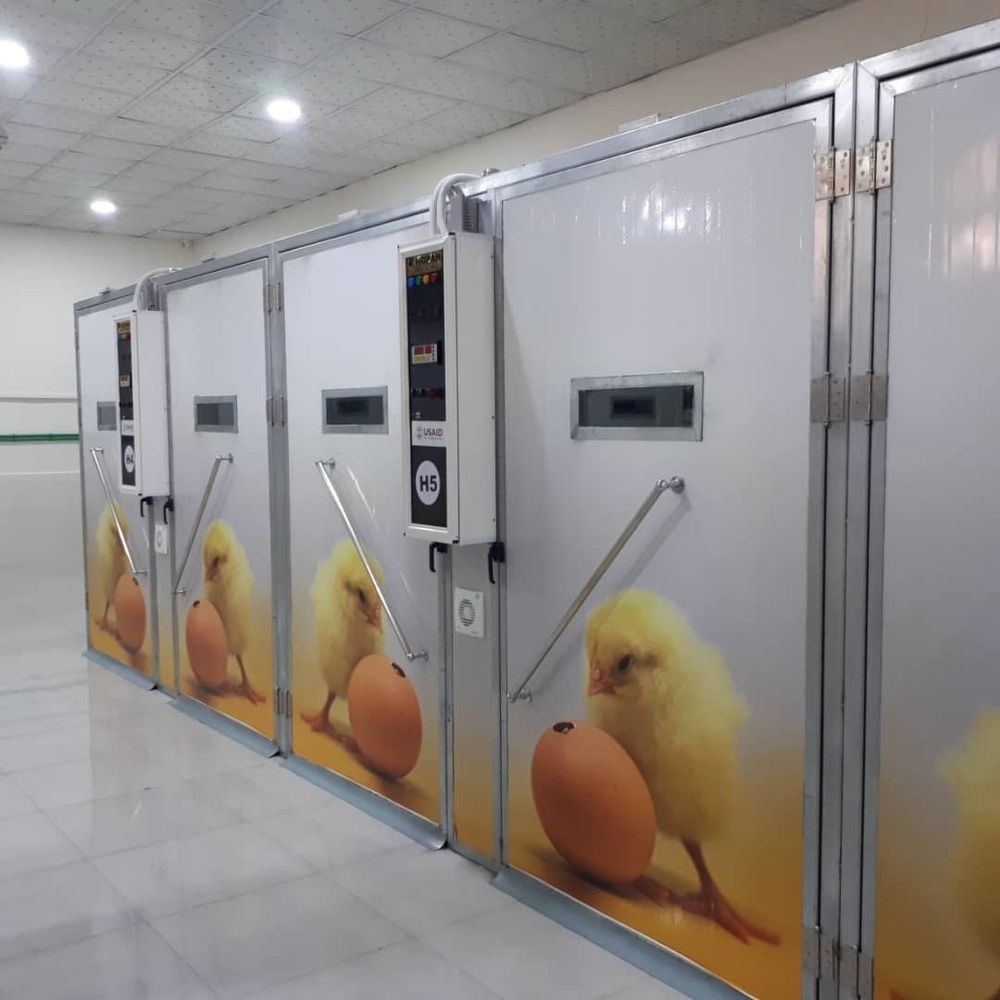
106 561
937 638
706 262
341 322
219 437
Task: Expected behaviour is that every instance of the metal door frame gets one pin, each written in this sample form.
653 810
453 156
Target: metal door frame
880 80
249 260
829 100
365 226
98 303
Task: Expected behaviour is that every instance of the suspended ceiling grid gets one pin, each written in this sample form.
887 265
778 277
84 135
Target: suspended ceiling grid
159 105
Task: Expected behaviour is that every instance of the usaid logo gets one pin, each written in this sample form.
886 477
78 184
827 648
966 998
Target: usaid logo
428 434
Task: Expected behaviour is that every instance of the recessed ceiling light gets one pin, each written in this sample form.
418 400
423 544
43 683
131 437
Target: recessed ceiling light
13 55
103 207
284 109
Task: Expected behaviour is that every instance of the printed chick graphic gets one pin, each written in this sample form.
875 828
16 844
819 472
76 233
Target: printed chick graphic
109 561
229 587
667 697
974 774
348 626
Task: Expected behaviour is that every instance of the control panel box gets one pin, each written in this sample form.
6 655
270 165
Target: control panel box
144 461
449 410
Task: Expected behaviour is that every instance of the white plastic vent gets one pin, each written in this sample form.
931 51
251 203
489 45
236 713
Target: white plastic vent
469 613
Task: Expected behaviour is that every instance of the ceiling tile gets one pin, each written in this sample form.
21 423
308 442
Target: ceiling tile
219 145
147 171
319 83
72 95
23 152
173 235
50 117
96 164
465 83
324 141
45 56
136 131
13 168
84 8
183 200
219 181
108 73
46 137
144 186
199 93
348 18
545 63
724 21
147 47
98 146
426 33
576 25
298 150
203 223
16 85
384 155
226 198
655 49
238 127
389 108
311 110
195 19
372 61
492 13
288 41
80 178
169 113
238 68
457 126
185 158
650 10
531 98
29 24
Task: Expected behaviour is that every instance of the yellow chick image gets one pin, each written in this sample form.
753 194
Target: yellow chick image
348 626
667 697
109 559
229 582
973 771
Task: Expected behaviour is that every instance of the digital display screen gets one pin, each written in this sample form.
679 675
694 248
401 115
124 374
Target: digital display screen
364 410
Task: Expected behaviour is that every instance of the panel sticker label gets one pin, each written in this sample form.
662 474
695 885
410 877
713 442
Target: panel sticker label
428 433
427 483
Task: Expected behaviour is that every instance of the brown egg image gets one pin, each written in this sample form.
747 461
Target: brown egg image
130 612
207 645
385 716
593 803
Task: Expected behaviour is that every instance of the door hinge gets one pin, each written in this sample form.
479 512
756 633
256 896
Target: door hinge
857 972
274 297
834 174
283 703
820 954
282 402
873 166
827 401
269 411
869 397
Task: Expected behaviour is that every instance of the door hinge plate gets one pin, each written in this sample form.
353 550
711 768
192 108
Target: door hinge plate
820 953
273 297
869 397
834 174
269 411
282 411
283 703
873 166
827 402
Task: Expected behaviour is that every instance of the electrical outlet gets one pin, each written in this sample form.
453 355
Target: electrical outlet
161 540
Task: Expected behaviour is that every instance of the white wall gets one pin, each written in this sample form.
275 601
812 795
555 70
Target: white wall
866 28
42 273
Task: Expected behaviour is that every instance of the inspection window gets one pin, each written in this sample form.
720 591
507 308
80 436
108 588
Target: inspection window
665 407
107 416
355 411
216 414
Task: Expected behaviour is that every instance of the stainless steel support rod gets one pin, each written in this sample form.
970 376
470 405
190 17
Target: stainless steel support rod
95 454
675 485
345 517
209 486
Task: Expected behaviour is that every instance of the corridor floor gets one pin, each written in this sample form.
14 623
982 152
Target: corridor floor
143 855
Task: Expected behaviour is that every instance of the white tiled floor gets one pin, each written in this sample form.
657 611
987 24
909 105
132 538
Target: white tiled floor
143 855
